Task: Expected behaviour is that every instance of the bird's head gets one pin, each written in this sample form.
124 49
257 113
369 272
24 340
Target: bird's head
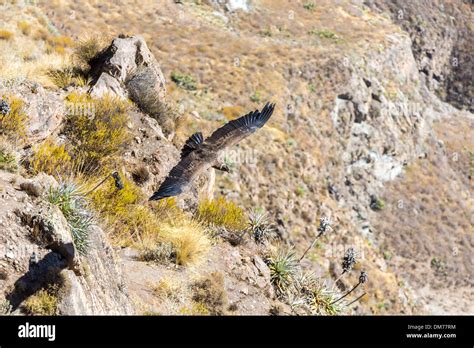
225 167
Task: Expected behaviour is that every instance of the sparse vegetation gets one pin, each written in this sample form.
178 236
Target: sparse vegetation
44 302
210 292
5 308
13 122
310 6
9 160
300 190
283 268
58 44
221 212
51 158
312 295
25 27
141 175
88 49
324 34
439 266
160 252
260 226
68 76
6 35
256 97
376 203
71 201
96 138
184 81
166 288
197 308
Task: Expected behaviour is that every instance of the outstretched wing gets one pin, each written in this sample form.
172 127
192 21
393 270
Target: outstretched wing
191 144
193 162
177 179
236 130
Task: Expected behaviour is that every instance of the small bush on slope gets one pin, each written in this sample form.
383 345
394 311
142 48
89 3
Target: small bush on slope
9 159
44 302
100 135
50 158
162 231
221 212
13 123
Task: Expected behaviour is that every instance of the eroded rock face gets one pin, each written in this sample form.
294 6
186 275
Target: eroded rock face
37 250
129 69
442 40
45 109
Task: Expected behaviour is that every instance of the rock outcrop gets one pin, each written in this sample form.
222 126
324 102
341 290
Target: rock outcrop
127 68
38 251
45 109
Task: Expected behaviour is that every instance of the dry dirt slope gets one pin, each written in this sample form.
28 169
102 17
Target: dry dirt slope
356 112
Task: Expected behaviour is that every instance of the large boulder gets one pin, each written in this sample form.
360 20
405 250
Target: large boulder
45 109
127 68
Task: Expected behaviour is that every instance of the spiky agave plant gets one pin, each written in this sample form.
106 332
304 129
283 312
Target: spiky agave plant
313 295
323 300
283 268
69 197
260 226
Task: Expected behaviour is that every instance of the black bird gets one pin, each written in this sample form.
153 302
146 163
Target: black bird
198 154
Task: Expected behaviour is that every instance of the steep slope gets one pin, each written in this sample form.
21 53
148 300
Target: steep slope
357 131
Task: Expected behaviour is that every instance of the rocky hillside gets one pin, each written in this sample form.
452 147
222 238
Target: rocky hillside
367 160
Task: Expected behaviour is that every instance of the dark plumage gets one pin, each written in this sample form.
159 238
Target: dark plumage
198 154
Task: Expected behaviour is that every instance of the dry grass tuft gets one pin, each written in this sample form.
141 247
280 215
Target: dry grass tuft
189 239
141 174
25 27
88 49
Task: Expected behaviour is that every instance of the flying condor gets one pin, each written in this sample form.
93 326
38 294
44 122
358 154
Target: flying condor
199 154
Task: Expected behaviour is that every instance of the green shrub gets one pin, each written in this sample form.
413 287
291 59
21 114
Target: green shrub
184 81
324 34
256 97
283 267
310 6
